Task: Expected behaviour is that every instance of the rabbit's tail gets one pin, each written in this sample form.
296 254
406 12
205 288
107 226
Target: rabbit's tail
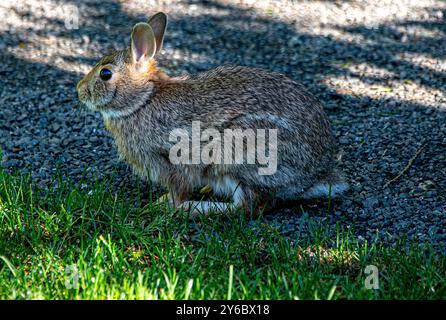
332 186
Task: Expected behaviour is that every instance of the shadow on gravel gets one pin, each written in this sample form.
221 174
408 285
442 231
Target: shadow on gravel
41 126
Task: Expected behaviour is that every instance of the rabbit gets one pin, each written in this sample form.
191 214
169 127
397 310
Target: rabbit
141 107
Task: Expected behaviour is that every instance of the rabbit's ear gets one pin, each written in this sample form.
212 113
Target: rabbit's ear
143 44
158 22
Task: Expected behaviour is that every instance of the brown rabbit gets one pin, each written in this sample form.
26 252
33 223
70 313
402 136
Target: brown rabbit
143 108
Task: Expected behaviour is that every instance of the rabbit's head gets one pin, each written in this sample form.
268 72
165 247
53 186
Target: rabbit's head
123 81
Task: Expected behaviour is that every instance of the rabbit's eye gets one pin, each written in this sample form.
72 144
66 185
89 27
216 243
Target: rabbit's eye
105 74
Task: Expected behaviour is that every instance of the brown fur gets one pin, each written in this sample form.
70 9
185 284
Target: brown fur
141 108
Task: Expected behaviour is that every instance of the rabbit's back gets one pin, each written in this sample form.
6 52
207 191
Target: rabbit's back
241 95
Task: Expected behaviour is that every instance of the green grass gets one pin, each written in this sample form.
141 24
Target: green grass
123 251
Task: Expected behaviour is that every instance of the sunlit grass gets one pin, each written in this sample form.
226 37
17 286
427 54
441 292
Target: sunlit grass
114 248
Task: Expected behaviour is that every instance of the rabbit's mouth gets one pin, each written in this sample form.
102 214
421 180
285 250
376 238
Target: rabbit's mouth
91 101
104 107
84 96
88 105
86 101
95 104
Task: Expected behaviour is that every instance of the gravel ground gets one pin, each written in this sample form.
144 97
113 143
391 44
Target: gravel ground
379 67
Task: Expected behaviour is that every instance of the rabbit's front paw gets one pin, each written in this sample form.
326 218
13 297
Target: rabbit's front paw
206 190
